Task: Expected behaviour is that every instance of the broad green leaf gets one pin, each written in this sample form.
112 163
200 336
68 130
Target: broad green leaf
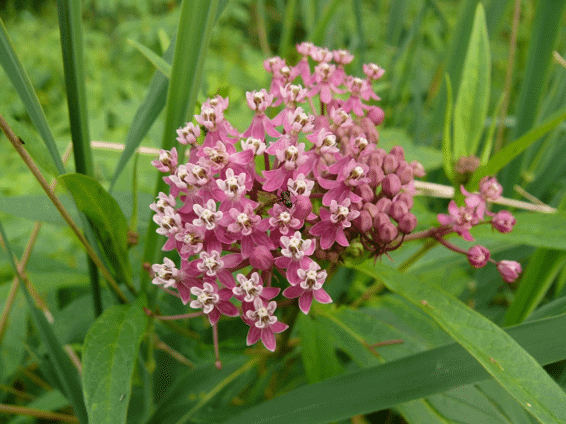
110 223
66 374
532 228
110 352
447 153
509 152
21 82
49 401
544 265
409 378
472 102
513 368
157 61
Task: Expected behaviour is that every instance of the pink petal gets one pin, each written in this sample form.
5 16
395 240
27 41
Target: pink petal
270 292
214 316
268 339
184 292
327 239
305 301
293 292
279 327
253 335
341 237
321 296
228 309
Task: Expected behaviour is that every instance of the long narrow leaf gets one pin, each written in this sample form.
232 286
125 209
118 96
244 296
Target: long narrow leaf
21 82
157 61
447 155
412 377
496 351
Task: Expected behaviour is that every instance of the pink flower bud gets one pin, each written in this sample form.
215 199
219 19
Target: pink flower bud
407 223
261 258
387 232
490 189
407 198
418 169
375 175
405 173
363 222
303 207
509 270
376 158
391 185
366 192
398 152
383 205
478 256
369 130
376 115
503 221
380 219
371 208
398 210
390 164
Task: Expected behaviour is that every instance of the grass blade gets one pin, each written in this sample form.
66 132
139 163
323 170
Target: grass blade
21 82
157 61
447 154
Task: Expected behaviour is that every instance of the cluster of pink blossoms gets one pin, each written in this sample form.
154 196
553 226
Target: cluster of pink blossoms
323 184
462 219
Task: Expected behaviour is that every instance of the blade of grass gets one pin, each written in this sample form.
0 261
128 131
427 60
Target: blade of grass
447 155
192 40
21 82
317 37
412 377
287 30
66 372
157 61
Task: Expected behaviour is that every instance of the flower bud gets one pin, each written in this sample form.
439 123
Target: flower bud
380 219
369 130
376 158
398 210
363 222
371 208
503 221
398 152
490 189
355 250
509 270
375 175
366 192
407 198
405 173
320 255
390 164
478 256
383 205
387 232
376 114
407 223
391 185
261 258
418 169
333 257
303 207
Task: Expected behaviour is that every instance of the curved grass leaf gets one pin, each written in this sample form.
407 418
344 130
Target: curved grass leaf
513 368
511 151
317 37
110 351
472 102
157 61
447 153
21 82
110 224
409 378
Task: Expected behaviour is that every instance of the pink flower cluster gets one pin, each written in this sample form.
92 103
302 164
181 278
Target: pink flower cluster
294 188
462 219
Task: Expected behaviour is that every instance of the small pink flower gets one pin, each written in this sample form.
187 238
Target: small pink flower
263 324
166 274
167 160
490 189
503 221
509 270
250 288
213 302
464 218
188 134
478 256
332 224
309 287
207 216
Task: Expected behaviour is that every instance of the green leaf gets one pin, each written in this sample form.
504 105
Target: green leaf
409 378
330 10
472 102
110 352
496 351
157 61
21 82
511 151
544 265
447 153
110 223
70 26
